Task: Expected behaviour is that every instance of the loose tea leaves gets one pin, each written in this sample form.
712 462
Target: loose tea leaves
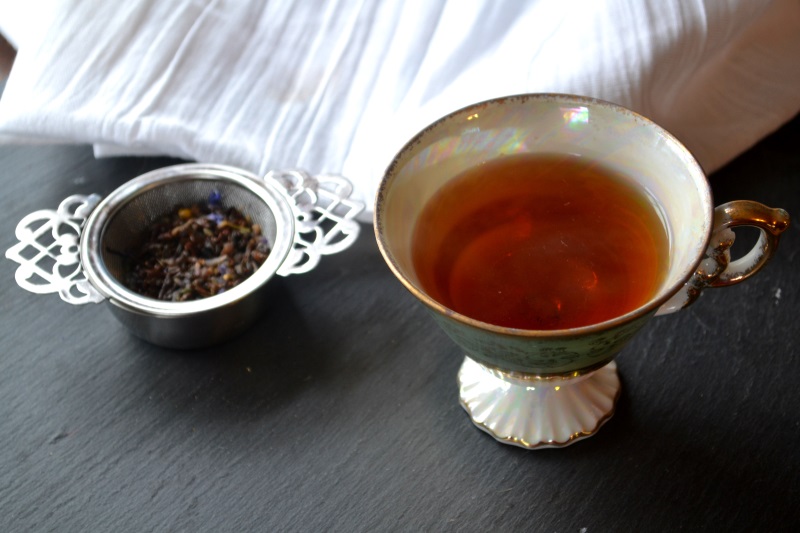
196 252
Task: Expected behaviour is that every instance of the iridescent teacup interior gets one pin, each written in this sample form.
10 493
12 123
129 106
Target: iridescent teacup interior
619 139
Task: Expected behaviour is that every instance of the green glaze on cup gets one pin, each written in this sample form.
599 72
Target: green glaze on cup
560 355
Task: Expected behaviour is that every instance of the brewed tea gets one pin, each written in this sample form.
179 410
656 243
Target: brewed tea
540 242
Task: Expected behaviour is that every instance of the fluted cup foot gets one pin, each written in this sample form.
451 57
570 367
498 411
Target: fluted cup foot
534 413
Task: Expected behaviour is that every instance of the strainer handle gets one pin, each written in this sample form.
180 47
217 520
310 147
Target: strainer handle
324 214
48 254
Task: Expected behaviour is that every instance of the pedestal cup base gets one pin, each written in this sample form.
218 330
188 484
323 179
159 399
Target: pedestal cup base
538 413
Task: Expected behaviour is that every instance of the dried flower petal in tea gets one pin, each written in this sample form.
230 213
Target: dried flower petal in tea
196 252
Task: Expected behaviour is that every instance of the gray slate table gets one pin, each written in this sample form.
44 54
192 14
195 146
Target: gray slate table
338 411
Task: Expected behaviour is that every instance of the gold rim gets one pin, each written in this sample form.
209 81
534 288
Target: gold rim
650 307
544 377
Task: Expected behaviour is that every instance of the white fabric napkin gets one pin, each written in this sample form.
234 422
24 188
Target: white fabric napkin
338 86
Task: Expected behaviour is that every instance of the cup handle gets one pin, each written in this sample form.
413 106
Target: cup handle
717 270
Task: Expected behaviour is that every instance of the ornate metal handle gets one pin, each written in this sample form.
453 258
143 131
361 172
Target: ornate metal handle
717 270
324 214
47 251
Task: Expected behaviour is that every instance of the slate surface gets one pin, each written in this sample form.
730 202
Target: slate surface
338 411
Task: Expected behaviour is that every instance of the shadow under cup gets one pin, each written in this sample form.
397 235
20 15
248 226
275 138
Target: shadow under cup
622 141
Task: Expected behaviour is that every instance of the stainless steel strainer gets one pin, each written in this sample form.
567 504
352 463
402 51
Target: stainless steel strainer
79 250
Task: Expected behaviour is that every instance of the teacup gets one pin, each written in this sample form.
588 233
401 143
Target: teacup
550 388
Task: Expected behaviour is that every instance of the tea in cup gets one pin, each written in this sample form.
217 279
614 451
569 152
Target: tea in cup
543 231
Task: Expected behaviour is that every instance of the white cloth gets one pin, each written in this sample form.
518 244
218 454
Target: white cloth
339 85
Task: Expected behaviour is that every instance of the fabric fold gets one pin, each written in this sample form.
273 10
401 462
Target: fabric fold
338 86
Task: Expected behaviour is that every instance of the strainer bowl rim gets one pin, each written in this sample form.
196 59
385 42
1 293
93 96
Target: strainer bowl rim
97 222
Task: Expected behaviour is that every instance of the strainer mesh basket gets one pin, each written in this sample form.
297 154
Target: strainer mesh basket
128 227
